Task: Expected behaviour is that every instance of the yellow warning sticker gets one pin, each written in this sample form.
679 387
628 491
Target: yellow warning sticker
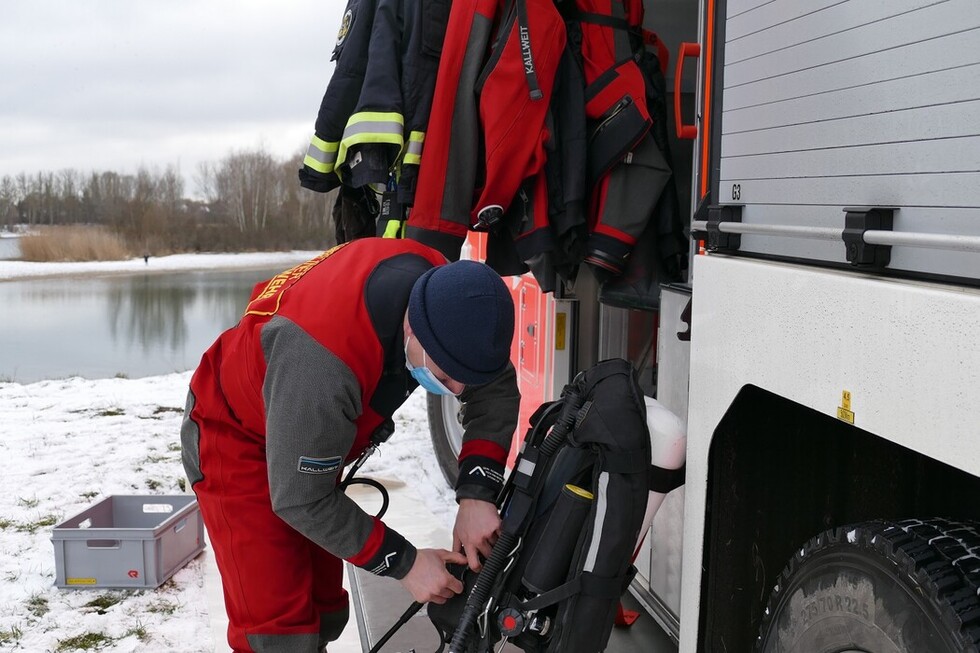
844 412
81 581
560 330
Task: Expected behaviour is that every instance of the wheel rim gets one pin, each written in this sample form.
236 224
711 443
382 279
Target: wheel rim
451 420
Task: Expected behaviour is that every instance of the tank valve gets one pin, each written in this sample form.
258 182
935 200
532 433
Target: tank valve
510 622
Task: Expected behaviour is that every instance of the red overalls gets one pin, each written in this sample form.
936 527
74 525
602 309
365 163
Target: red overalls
282 591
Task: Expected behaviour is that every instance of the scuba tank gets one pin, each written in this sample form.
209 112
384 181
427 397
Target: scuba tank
572 512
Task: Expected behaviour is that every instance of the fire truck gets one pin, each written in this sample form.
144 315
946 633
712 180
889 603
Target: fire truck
824 351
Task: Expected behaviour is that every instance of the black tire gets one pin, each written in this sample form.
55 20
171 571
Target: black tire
446 431
879 587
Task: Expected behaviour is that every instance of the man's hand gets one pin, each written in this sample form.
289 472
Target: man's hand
428 581
476 530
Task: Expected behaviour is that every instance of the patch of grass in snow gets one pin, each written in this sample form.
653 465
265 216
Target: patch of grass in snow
103 602
153 484
163 606
173 447
5 523
28 503
84 642
182 484
34 526
158 458
111 412
122 375
139 630
89 495
11 635
37 605
167 409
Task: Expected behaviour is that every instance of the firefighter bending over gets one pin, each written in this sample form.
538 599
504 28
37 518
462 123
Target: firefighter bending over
323 356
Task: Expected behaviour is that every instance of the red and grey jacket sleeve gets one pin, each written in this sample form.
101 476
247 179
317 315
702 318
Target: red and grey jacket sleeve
489 420
312 399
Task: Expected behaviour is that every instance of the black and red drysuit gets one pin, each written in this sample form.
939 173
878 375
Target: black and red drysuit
280 403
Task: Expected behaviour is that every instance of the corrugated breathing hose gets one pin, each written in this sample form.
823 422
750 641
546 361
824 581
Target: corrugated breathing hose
513 526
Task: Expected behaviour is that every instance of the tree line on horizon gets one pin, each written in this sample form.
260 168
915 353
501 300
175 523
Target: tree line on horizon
252 201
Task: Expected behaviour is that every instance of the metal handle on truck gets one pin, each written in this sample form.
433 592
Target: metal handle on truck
953 242
688 132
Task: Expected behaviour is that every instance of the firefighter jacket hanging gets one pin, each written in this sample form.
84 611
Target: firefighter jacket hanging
373 116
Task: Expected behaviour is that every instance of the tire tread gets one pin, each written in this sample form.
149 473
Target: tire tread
941 555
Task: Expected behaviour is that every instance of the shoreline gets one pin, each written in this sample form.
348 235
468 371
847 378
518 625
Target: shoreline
32 271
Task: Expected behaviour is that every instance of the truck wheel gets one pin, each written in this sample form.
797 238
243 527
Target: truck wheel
883 587
446 430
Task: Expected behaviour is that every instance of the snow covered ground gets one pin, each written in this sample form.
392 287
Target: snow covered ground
30 270
68 443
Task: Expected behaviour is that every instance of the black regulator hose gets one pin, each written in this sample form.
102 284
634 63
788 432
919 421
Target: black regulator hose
509 537
376 485
408 614
481 590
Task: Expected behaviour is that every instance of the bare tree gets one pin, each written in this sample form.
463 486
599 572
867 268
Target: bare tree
171 189
69 198
253 200
245 184
8 201
27 205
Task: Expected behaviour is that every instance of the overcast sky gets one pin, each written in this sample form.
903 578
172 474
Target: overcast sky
115 84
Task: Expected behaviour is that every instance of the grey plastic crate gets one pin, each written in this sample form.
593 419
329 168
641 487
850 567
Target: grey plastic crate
127 542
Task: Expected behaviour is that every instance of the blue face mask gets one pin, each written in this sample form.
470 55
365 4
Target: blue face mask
424 376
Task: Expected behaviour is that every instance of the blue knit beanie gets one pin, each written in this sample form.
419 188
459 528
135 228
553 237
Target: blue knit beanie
463 316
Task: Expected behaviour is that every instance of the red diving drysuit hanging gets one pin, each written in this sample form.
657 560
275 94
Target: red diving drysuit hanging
487 126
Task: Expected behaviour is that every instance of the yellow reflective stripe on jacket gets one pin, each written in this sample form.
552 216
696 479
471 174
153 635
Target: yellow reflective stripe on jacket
395 229
371 127
321 155
377 116
413 154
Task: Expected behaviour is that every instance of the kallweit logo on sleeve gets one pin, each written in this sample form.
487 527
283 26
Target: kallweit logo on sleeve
309 465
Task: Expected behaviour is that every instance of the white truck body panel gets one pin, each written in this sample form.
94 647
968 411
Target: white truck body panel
907 352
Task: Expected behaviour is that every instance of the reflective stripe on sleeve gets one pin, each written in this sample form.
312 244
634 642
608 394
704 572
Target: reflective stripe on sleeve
321 155
413 154
372 127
